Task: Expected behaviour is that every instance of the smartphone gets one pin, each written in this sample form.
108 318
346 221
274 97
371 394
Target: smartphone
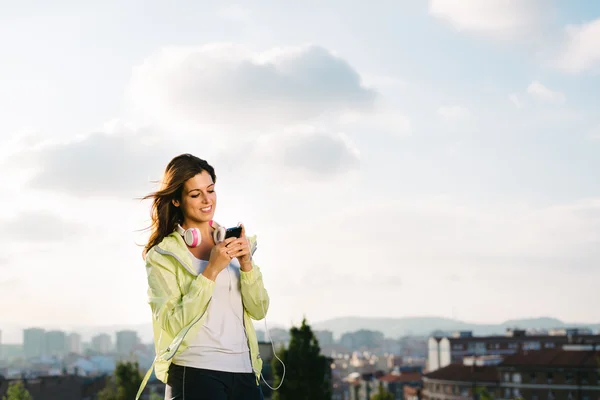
233 232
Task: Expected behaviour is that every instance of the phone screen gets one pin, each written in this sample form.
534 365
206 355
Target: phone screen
233 232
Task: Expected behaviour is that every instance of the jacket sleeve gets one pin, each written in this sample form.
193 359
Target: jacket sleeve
254 294
172 308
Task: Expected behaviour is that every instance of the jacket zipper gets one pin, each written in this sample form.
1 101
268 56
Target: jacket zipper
187 329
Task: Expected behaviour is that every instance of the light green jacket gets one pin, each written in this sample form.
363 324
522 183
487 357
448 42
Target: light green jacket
179 299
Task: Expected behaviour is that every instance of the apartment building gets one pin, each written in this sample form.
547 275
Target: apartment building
443 351
570 372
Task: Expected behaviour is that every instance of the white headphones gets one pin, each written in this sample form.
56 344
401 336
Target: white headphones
193 237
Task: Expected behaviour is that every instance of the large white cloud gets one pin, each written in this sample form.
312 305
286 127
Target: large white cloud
225 85
581 51
496 18
127 164
312 152
99 164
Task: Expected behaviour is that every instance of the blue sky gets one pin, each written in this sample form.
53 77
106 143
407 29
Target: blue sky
407 155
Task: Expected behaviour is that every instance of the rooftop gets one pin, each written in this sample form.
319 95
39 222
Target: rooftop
565 357
402 377
464 373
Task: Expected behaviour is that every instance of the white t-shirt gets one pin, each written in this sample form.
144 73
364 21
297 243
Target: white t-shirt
221 343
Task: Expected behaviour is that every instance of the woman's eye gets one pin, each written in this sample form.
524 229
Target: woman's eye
211 191
194 196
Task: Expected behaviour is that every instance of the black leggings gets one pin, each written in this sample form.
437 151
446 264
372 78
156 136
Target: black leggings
187 383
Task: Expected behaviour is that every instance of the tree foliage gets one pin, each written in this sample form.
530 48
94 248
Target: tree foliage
307 372
483 394
17 391
124 384
383 394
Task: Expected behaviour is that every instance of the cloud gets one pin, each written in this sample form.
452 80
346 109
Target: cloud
515 98
383 120
294 156
454 113
541 92
595 133
581 51
126 163
496 18
225 85
38 227
100 164
316 153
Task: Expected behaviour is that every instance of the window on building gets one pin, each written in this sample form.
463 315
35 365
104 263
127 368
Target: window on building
532 377
531 346
585 379
534 396
551 395
569 378
549 345
507 393
516 378
516 393
550 377
480 348
457 346
513 346
570 396
506 377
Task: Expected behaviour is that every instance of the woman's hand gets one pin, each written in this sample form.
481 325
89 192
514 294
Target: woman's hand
219 259
240 248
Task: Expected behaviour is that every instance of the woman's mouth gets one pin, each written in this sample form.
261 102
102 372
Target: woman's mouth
206 209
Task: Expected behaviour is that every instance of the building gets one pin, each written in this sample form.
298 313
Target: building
34 342
74 343
325 338
569 372
396 383
56 343
443 351
102 344
459 381
127 341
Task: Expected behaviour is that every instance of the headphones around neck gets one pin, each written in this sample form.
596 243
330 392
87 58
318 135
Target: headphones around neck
193 237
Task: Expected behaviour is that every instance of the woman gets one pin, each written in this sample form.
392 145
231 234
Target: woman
203 292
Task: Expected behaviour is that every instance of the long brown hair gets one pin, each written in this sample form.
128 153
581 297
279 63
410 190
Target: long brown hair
164 214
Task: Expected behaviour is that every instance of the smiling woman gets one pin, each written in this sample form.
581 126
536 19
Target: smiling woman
203 289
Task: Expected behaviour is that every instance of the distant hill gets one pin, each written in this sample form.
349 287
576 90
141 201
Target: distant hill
391 327
396 327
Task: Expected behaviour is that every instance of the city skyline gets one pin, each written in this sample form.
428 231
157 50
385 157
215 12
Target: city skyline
407 159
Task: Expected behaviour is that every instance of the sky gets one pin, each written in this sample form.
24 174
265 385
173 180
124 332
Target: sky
417 158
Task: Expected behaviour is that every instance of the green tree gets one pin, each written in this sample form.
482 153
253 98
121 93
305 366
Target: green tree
124 384
17 391
483 394
155 396
383 394
307 372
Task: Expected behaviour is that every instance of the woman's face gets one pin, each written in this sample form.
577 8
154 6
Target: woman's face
198 199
